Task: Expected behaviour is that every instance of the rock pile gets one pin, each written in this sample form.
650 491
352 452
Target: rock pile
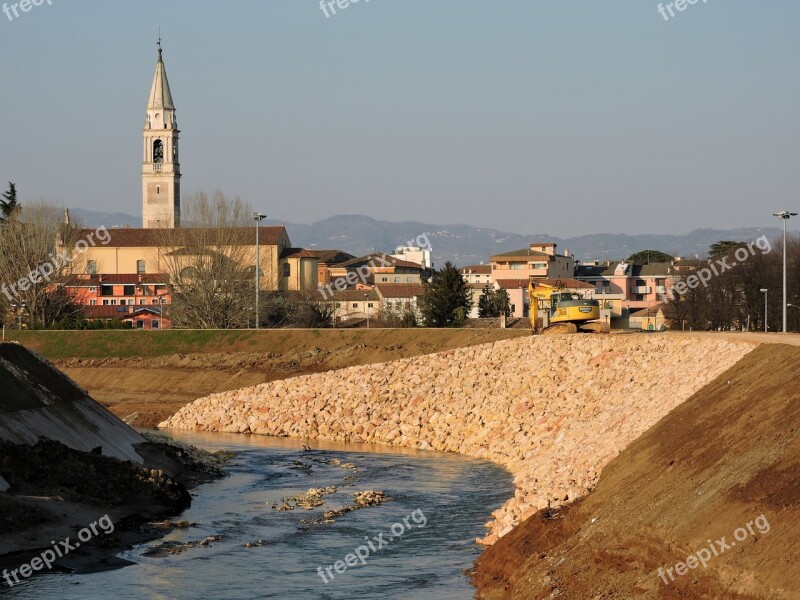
553 410
308 500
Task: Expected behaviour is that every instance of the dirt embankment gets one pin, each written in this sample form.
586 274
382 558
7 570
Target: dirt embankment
146 389
717 479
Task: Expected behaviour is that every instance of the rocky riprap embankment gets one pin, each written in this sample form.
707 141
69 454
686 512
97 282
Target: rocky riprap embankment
553 410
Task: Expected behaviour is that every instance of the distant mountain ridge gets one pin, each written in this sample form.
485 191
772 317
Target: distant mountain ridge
466 245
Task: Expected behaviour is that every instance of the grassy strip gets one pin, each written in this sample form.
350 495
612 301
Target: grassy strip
56 345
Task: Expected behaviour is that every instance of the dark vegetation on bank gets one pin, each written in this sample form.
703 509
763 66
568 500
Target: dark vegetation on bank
66 462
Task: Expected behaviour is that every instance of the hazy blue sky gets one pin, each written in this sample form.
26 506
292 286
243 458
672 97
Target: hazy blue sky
523 115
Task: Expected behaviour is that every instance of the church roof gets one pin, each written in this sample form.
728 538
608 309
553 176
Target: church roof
151 238
298 253
160 94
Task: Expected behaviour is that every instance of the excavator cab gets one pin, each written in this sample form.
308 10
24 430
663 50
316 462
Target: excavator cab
568 312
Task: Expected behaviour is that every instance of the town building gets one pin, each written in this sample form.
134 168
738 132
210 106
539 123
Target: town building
538 260
477 274
328 259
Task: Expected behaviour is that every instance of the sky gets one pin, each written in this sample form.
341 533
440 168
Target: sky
529 116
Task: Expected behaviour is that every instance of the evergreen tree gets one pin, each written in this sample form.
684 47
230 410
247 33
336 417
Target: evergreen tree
493 303
9 207
486 303
645 257
447 301
724 247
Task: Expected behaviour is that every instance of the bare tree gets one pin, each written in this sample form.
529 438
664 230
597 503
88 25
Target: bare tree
732 299
208 263
36 248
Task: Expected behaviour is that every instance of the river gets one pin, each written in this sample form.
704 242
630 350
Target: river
439 505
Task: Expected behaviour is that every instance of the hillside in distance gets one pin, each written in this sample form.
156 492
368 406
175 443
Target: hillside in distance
467 245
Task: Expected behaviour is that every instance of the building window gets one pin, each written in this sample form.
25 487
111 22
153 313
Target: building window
397 280
517 266
142 302
105 303
156 324
287 270
409 280
370 304
384 279
91 267
92 290
141 267
92 302
128 290
139 324
113 302
355 304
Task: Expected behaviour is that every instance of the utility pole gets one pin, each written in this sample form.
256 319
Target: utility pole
766 305
784 216
258 218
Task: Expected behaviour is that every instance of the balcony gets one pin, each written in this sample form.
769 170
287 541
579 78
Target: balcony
661 289
641 289
158 167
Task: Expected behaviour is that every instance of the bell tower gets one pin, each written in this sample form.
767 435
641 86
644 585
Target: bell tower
161 169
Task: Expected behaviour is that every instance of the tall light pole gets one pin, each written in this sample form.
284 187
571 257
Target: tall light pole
258 218
366 307
765 291
784 216
794 306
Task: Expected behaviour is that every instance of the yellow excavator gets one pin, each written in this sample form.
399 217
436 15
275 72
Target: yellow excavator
567 312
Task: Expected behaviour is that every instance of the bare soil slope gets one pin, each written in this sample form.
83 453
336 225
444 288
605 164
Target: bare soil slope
145 377
714 465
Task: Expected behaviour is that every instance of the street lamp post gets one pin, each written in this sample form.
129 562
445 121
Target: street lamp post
794 306
766 295
784 216
258 218
366 308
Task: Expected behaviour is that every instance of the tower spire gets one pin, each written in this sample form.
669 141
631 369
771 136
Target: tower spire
161 171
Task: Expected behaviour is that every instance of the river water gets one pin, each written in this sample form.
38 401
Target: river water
439 505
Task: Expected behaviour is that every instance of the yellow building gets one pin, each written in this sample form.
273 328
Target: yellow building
170 251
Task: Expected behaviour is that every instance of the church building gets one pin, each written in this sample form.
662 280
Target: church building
162 249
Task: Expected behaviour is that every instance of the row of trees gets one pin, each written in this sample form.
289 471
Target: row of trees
733 299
